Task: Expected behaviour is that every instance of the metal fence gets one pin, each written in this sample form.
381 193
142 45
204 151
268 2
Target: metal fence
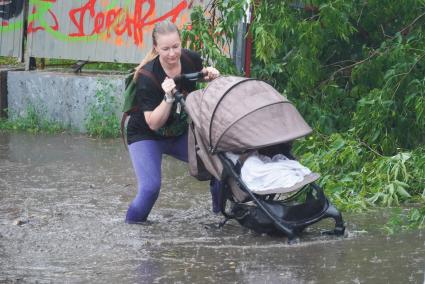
94 30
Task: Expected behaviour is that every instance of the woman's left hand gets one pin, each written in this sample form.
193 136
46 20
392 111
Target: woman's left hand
211 72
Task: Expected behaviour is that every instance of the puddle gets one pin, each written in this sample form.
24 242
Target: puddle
63 204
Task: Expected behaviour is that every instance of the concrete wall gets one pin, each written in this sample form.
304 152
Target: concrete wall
61 97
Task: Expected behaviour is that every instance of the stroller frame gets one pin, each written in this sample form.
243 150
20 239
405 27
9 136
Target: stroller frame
290 228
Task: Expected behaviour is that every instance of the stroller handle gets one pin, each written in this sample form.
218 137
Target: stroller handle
190 76
193 77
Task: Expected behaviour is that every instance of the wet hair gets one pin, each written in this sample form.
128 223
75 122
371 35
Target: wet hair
161 28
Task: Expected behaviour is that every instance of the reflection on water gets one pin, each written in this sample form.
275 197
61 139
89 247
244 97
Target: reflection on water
63 202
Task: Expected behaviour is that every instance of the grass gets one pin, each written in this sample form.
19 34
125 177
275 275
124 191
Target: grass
32 121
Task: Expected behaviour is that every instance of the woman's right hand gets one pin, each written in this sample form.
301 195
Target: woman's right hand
210 73
168 86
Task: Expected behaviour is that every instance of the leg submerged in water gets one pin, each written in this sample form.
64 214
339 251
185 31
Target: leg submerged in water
215 195
146 158
142 204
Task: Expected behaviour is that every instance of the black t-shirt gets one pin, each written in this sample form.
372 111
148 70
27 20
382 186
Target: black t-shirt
149 95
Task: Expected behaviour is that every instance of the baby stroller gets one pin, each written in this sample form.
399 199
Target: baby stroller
239 115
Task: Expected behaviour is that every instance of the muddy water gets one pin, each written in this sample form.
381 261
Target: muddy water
62 204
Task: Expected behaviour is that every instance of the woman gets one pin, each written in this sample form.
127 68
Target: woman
159 126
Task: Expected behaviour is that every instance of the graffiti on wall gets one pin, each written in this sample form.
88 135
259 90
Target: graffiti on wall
101 19
95 30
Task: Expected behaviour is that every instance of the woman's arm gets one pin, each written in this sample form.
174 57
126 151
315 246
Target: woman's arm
159 116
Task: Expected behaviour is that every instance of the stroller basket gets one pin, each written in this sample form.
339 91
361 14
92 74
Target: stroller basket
236 114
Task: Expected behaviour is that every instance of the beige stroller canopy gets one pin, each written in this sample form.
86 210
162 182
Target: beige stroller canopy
237 114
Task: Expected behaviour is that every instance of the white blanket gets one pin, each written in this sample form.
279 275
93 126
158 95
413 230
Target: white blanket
262 173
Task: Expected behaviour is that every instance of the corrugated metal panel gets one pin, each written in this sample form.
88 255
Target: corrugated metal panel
11 27
99 30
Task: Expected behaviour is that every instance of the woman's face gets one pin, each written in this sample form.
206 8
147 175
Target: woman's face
169 48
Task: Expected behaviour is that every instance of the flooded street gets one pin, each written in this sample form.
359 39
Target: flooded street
63 201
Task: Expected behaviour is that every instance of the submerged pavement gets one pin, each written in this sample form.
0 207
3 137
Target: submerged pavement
63 200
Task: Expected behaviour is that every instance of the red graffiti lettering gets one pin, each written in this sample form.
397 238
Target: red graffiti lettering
89 7
88 21
119 21
111 17
99 22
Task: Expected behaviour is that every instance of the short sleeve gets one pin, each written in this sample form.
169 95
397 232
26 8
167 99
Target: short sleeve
148 96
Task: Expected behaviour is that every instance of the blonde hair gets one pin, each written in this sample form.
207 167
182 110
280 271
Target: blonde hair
161 28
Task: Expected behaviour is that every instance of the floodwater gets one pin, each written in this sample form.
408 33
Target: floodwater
63 199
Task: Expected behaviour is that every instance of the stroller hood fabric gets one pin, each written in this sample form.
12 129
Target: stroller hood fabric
235 114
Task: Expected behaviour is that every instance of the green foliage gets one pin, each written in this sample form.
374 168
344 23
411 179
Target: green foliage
9 61
388 179
33 120
357 177
211 36
416 218
102 120
401 220
336 59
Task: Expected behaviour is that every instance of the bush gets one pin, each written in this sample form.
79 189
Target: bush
102 120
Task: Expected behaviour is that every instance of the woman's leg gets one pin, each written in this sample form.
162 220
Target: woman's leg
146 158
177 147
215 195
